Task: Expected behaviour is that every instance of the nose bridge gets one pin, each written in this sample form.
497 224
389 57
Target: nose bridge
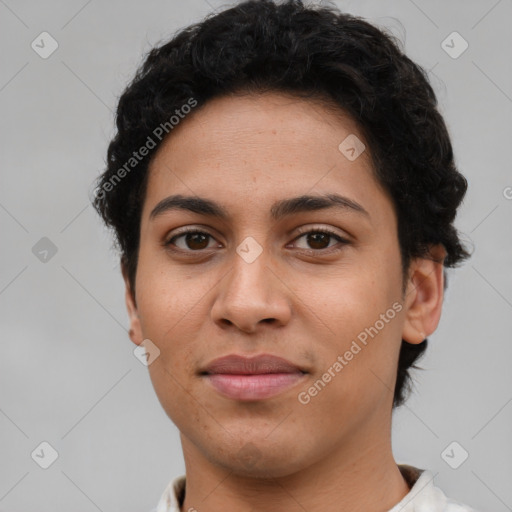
249 264
251 292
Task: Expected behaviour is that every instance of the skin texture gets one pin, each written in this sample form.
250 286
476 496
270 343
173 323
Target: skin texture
300 300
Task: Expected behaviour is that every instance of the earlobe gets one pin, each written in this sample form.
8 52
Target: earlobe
135 331
424 296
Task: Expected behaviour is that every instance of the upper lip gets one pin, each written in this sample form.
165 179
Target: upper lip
242 365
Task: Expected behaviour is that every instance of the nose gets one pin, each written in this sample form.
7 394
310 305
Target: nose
251 295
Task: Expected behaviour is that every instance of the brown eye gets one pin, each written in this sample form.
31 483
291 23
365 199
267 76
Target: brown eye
196 240
320 239
192 241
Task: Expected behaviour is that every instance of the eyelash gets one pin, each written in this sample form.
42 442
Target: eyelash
343 241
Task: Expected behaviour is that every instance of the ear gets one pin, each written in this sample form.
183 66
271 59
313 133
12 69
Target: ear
424 295
131 306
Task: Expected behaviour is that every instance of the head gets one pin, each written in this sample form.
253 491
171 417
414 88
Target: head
256 105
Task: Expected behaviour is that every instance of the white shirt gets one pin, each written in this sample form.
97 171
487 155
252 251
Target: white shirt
423 496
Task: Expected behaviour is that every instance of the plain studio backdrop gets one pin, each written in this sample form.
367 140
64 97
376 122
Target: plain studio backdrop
68 374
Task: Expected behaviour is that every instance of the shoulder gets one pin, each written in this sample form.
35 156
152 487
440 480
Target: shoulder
424 495
172 497
455 506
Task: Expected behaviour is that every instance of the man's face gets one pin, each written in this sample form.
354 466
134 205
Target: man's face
255 284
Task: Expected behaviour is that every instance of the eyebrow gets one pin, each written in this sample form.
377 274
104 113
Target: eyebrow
280 209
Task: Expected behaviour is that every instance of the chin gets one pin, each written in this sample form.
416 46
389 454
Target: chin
264 467
256 459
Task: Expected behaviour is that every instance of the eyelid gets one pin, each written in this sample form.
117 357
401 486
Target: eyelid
190 229
184 231
307 229
302 230
342 241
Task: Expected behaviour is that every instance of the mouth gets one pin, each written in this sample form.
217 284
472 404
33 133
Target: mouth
255 378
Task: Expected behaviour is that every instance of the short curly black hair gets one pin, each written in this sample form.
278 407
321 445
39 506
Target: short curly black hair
310 51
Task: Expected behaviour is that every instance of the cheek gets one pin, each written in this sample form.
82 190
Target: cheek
343 302
359 314
168 296
174 396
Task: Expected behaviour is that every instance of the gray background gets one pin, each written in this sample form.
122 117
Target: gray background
68 375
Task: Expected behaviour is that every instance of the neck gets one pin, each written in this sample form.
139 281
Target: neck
358 476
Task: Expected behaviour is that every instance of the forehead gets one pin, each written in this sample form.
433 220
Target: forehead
278 119
256 149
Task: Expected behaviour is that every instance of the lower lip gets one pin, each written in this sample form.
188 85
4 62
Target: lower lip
253 387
